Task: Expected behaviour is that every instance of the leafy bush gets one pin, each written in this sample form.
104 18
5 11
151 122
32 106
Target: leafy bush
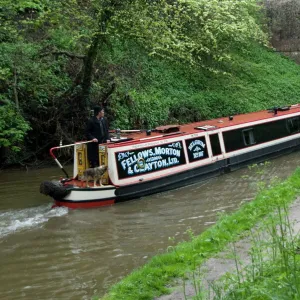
13 127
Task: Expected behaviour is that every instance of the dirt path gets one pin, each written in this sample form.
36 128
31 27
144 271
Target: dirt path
215 267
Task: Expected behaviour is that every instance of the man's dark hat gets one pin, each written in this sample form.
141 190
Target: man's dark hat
97 109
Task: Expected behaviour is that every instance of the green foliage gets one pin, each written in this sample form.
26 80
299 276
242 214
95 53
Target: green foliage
255 79
275 266
30 83
156 62
197 32
13 127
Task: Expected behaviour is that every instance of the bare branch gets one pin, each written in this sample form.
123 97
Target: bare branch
66 53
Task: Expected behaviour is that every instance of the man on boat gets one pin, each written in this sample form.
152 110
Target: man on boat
97 131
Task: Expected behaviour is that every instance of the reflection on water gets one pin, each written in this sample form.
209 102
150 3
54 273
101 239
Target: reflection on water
75 254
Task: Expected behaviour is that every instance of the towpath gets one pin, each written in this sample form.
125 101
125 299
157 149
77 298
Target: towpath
217 266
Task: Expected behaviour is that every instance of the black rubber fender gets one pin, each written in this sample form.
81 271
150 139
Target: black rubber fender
54 189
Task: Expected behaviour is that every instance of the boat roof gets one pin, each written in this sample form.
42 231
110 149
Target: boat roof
207 125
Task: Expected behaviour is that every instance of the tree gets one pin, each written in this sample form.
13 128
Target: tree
50 50
12 127
198 32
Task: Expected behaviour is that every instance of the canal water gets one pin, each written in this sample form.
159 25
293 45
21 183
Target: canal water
75 254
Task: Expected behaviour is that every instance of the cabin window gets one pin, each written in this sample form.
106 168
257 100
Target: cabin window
235 139
248 137
215 144
292 125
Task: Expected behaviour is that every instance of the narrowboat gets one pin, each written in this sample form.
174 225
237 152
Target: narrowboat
143 162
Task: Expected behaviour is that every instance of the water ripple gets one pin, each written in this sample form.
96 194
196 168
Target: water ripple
12 221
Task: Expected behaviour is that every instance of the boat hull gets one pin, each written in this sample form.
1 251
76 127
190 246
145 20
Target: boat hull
87 197
97 197
200 174
173 181
144 165
84 203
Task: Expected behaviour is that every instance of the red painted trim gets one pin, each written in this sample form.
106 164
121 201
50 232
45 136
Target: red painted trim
51 152
75 205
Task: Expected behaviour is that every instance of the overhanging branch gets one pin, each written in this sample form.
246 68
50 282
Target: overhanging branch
65 53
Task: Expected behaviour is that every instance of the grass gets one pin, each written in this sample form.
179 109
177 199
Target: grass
274 271
162 92
151 280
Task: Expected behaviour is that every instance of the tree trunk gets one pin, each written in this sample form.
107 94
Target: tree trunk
92 55
88 72
15 83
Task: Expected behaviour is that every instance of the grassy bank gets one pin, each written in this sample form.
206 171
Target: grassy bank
148 91
151 280
161 92
53 70
271 267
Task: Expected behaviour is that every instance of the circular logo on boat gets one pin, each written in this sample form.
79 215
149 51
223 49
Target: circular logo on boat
141 163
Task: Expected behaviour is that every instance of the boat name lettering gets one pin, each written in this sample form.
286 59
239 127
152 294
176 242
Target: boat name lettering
197 148
123 155
150 159
153 158
132 159
195 143
176 145
152 166
198 154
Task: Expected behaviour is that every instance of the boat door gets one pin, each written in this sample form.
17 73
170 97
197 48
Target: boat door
81 162
216 146
103 161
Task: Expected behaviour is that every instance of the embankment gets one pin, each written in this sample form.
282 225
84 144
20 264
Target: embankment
162 271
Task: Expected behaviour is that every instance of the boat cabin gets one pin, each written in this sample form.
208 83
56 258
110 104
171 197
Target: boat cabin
144 155
141 162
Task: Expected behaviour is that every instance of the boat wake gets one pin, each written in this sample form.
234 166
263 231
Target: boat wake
16 220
